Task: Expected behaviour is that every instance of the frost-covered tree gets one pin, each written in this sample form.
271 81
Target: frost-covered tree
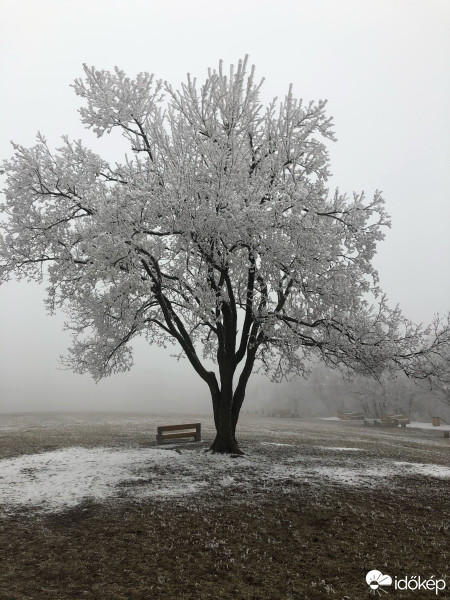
218 235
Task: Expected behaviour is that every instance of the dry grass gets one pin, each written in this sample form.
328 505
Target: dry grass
284 540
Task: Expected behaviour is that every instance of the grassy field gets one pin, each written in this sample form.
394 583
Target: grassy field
311 508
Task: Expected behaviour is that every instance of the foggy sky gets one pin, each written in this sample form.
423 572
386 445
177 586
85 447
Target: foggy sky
384 67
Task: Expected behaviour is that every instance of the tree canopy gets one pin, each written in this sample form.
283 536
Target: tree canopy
218 234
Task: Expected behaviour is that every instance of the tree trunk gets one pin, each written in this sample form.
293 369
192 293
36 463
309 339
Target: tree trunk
239 394
215 395
227 405
225 441
238 400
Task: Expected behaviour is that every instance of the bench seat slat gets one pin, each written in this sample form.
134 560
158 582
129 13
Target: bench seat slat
177 427
170 436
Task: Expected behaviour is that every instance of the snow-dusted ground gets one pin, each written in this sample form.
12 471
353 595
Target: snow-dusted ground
279 453
417 425
64 478
412 425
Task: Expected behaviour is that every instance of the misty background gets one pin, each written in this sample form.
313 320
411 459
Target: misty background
383 65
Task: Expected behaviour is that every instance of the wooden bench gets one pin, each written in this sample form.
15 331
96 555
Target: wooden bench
394 420
404 420
187 430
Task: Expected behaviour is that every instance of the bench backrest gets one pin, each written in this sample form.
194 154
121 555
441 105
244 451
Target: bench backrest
180 431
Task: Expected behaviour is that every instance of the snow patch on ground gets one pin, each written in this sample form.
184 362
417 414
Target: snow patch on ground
362 475
412 425
61 479
351 475
338 448
424 469
276 444
417 425
376 474
64 478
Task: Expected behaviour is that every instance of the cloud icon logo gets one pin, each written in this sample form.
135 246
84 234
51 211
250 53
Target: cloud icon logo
376 578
